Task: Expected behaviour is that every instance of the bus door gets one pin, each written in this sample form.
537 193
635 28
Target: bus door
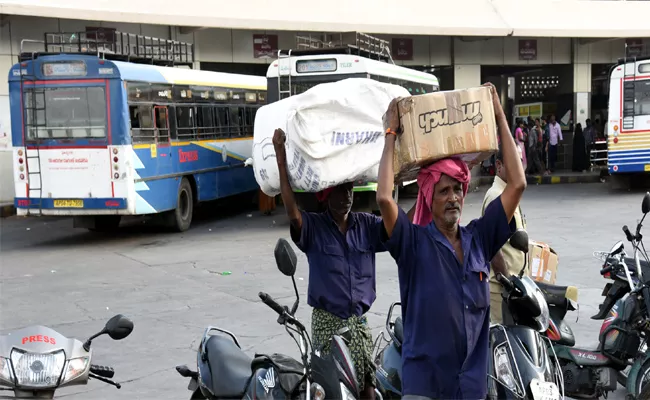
162 149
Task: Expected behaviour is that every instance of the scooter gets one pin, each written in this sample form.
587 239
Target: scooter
224 371
591 373
523 363
36 361
520 366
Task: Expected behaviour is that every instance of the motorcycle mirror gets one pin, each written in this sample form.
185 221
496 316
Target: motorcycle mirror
285 257
520 241
617 248
645 205
117 328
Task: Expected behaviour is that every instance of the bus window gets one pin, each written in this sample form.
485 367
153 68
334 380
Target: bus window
223 122
642 98
235 122
142 128
69 113
162 124
185 122
250 120
205 122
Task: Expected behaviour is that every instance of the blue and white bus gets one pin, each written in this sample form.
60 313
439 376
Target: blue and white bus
98 139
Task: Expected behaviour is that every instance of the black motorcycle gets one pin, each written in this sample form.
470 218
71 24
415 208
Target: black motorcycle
520 366
224 371
620 356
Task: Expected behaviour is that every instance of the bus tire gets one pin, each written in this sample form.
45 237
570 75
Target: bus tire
180 218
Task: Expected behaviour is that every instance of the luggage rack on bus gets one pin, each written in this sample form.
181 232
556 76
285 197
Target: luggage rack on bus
114 45
356 43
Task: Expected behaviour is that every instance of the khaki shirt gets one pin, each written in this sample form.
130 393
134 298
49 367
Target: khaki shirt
514 258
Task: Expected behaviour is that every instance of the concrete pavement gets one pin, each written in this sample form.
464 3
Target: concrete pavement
172 286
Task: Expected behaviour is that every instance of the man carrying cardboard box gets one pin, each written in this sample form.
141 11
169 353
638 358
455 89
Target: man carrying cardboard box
443 268
508 260
340 246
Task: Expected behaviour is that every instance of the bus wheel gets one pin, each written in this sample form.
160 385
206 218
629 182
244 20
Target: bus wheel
180 218
106 223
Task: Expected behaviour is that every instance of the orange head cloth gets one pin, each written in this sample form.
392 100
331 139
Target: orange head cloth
324 194
429 176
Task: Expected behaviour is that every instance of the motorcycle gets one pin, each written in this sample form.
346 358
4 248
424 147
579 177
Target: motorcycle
593 373
520 367
36 361
224 371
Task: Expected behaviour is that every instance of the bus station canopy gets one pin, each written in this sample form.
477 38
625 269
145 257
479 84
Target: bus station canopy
521 18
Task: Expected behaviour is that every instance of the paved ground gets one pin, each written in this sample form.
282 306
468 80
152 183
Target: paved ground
171 284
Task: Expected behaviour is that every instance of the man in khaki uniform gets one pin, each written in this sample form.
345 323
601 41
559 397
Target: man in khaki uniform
507 259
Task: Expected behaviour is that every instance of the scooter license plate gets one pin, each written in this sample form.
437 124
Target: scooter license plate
544 390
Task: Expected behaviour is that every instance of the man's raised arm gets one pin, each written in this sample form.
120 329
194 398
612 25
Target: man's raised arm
387 205
516 184
288 198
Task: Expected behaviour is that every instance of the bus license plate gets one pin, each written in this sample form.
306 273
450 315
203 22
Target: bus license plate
646 167
69 203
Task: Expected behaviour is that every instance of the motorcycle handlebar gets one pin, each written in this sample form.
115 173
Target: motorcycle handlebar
106 372
268 300
628 234
606 270
505 282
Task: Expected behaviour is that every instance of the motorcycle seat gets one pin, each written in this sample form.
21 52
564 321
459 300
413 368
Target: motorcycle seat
553 294
230 367
398 329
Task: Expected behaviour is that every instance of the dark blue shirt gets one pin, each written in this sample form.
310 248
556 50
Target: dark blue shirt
445 304
341 266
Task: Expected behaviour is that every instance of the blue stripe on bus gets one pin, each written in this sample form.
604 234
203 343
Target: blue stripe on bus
108 203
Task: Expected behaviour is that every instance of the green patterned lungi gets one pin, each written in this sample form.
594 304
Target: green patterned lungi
325 325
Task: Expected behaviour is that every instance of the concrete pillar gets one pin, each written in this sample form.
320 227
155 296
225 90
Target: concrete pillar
581 92
466 76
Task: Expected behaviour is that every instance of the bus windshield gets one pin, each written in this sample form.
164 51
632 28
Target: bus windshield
65 113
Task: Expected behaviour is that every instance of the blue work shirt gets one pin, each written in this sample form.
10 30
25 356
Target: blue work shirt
445 305
341 266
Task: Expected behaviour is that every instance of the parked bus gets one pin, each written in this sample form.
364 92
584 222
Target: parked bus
98 139
628 122
297 71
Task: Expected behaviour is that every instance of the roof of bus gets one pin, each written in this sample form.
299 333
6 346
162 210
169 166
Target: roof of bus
157 74
363 64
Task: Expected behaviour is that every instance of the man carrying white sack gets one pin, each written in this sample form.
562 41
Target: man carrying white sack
340 246
443 268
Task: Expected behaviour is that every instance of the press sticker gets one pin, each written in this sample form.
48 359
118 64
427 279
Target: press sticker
154 151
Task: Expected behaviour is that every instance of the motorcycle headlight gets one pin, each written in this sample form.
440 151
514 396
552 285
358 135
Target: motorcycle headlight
503 368
6 373
37 370
75 368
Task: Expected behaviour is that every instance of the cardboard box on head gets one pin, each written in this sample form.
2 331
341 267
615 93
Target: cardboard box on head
438 125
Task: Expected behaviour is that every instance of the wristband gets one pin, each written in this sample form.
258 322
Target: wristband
390 132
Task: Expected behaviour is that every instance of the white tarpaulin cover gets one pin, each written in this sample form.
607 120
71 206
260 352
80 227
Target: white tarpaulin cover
334 134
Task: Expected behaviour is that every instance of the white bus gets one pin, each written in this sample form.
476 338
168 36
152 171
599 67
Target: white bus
628 121
299 71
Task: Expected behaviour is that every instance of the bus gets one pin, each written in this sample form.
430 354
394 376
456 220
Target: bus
98 139
296 71
628 121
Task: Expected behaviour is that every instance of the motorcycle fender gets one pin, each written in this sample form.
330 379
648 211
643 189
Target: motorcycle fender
634 370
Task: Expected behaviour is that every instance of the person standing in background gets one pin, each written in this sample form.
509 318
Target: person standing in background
554 138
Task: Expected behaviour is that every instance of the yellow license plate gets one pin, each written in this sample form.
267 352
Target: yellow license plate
646 167
69 203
